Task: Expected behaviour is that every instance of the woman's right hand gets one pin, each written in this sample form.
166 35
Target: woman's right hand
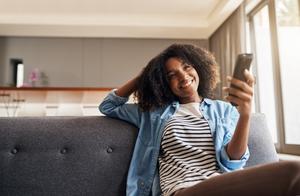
129 87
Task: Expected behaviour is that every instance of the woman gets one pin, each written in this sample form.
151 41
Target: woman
188 144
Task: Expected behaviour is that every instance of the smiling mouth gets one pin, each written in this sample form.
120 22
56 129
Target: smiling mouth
187 83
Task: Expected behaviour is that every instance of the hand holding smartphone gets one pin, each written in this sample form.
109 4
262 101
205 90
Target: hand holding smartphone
243 62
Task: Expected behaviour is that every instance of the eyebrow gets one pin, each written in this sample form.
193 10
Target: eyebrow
181 64
168 73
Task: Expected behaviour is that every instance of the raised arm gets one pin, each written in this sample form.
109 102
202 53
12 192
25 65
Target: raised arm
114 104
128 88
243 98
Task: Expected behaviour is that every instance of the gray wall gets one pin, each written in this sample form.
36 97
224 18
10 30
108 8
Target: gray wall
2 61
82 62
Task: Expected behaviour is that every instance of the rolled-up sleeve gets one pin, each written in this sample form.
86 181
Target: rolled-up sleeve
231 165
116 107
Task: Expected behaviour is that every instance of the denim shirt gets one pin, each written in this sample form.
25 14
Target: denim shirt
143 177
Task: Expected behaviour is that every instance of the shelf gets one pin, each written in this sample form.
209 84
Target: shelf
53 101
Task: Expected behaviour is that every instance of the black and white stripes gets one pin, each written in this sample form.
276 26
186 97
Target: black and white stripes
187 153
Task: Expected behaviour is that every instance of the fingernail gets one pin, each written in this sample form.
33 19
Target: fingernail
228 78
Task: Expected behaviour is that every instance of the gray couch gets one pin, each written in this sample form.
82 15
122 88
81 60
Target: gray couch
82 155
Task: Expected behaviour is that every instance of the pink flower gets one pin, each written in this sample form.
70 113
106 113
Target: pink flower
34 75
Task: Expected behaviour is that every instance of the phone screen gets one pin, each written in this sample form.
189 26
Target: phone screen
243 62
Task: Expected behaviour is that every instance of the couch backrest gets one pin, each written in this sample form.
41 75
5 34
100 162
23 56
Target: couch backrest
64 155
261 146
83 155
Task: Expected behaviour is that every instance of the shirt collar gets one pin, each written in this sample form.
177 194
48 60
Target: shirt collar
207 101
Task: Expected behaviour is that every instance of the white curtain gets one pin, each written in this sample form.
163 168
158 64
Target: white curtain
226 43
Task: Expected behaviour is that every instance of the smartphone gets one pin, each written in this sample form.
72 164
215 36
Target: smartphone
243 61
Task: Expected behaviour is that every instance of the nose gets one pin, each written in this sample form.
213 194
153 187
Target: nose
183 75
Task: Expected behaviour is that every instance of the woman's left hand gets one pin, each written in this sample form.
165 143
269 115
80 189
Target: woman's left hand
243 94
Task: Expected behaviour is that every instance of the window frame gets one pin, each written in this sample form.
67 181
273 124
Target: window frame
281 146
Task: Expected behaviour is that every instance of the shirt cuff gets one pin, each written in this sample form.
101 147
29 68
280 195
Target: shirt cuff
234 164
118 99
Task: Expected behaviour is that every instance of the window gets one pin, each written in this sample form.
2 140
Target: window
264 68
275 42
288 27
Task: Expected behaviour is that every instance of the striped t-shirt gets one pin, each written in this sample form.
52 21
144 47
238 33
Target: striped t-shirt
187 150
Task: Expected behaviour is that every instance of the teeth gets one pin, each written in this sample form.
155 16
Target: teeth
186 84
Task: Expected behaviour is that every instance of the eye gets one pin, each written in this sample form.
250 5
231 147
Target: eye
187 66
170 75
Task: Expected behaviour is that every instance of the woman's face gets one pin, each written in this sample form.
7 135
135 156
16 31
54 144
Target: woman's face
183 80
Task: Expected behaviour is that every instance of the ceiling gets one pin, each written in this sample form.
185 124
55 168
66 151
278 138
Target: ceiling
180 19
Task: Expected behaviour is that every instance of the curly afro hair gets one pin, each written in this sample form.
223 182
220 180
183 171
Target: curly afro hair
153 90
